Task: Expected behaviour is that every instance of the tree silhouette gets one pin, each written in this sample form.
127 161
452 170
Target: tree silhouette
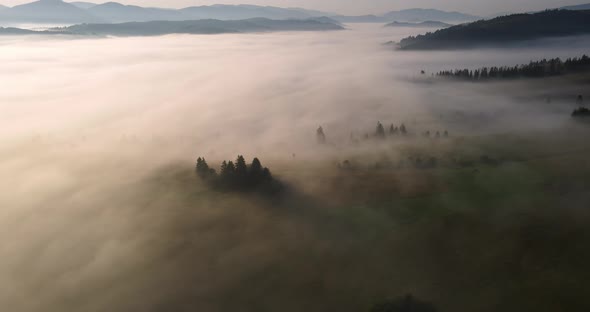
580 100
231 169
256 168
239 176
403 129
320 135
241 167
203 169
380 131
266 175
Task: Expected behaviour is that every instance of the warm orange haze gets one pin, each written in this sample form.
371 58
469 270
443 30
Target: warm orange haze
387 168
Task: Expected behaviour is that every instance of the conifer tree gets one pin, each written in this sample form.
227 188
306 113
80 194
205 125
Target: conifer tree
380 131
256 170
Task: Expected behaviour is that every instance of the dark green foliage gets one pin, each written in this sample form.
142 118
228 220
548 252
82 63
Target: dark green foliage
241 170
239 176
581 112
404 304
537 69
202 169
256 169
502 30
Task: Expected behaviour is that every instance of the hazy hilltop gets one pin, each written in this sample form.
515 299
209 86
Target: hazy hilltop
208 26
410 15
243 11
44 11
503 30
419 15
427 24
116 13
83 5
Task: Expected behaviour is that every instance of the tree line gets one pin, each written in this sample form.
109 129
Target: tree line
534 69
581 112
382 132
238 175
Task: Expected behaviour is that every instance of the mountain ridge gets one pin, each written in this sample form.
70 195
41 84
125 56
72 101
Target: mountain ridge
58 11
204 26
44 11
503 30
410 15
425 24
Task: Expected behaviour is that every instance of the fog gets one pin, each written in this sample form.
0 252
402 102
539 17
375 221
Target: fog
94 128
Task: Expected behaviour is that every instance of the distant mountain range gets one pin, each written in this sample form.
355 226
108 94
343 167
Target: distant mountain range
410 15
579 7
204 26
58 11
504 30
47 11
427 24
208 26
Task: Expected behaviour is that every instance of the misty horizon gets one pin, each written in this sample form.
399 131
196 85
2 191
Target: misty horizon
375 7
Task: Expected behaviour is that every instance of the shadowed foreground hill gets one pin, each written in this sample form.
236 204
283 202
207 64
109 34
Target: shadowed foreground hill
503 30
199 27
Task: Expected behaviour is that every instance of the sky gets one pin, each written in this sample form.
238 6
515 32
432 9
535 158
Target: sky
479 7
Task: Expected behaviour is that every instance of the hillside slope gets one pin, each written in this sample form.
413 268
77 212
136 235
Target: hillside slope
503 30
198 27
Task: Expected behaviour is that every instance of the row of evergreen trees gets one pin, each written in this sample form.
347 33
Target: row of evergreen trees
237 175
538 69
382 133
379 133
393 130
